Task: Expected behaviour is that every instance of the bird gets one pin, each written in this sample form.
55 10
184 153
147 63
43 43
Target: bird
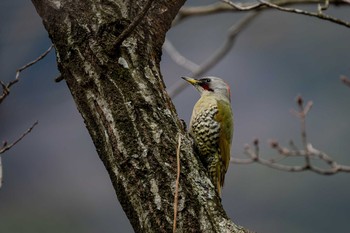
211 126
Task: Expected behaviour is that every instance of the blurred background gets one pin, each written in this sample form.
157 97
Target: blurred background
55 182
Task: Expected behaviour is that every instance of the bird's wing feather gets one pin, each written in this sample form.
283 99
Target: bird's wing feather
225 118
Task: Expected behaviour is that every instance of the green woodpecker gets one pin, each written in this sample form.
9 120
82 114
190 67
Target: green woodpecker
211 126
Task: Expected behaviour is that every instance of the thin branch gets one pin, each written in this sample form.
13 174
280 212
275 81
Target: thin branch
176 196
6 87
178 58
186 12
319 14
308 152
303 111
229 6
334 167
5 147
5 92
276 5
233 32
125 33
243 7
221 7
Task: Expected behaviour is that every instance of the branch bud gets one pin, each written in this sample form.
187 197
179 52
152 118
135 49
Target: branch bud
299 100
274 144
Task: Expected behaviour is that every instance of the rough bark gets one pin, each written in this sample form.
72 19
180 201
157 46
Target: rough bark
118 88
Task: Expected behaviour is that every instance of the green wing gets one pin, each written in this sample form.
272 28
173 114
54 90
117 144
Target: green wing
225 118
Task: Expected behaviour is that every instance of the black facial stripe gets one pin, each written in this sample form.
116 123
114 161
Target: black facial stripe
205 80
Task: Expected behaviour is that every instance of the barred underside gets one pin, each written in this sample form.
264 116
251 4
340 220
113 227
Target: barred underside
206 131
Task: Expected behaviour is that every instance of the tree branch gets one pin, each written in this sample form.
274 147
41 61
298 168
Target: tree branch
5 92
178 58
227 5
131 27
217 56
5 146
176 196
318 14
6 87
308 152
223 6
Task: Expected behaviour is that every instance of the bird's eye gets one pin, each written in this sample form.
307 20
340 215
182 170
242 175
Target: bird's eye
206 80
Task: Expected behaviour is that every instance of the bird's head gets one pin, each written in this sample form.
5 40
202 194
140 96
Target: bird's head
210 85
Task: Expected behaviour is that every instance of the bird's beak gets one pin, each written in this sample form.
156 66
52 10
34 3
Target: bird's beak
191 80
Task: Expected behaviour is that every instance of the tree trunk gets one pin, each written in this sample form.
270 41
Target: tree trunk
109 52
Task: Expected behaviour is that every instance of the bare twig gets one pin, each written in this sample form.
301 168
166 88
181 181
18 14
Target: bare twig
233 32
243 7
345 80
303 111
334 167
178 58
5 92
5 147
319 14
308 152
277 5
176 196
134 23
6 87
229 6
186 12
